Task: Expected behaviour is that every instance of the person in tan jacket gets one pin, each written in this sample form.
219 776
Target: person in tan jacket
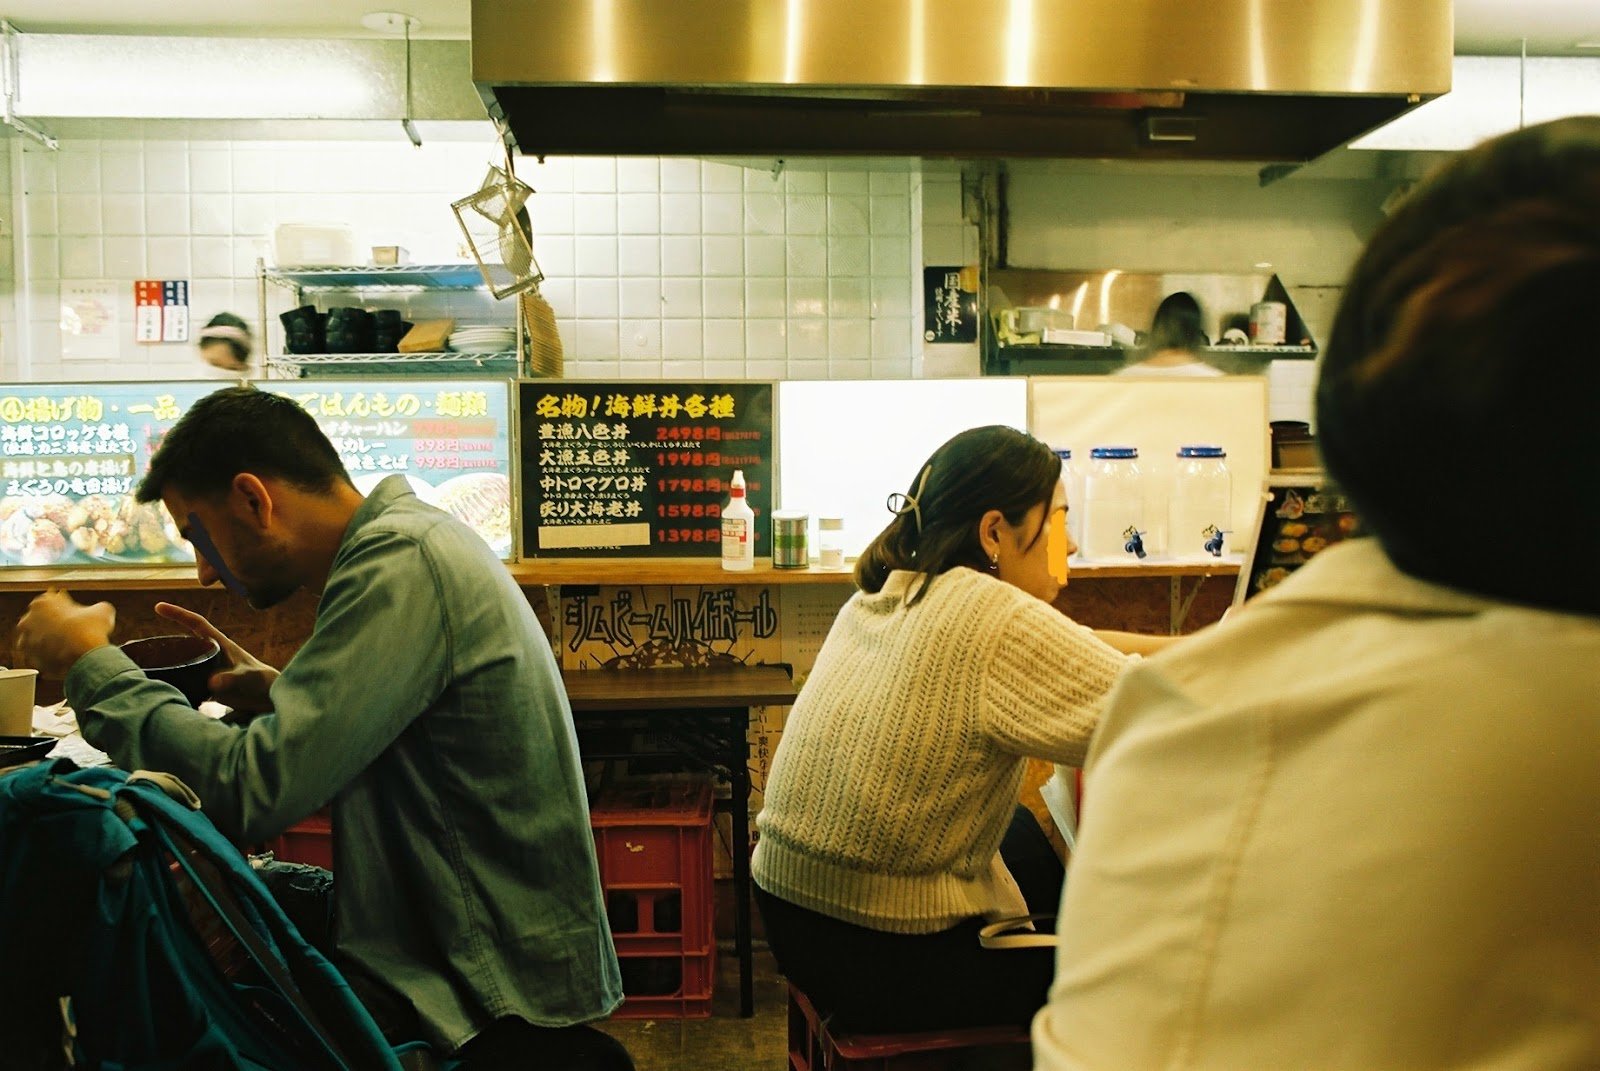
1355 826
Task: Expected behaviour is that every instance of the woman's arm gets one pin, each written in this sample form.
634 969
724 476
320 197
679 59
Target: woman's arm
1135 642
1046 680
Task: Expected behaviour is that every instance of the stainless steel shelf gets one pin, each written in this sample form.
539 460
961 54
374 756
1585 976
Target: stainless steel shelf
374 277
1266 351
305 365
1045 350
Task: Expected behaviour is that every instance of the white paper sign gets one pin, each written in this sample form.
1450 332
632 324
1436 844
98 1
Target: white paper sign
89 320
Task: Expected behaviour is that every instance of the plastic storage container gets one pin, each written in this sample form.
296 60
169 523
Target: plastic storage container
1202 504
314 245
1113 506
830 542
1072 480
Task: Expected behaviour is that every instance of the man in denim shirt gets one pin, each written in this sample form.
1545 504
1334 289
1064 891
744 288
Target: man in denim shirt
426 708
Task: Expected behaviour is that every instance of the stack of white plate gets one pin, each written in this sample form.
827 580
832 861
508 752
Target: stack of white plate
483 339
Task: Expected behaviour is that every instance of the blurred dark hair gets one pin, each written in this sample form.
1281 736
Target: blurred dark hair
239 348
992 467
241 429
1176 325
1456 401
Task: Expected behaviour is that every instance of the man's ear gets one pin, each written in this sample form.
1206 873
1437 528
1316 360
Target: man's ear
253 499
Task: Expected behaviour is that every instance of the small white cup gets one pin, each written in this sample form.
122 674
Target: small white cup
16 701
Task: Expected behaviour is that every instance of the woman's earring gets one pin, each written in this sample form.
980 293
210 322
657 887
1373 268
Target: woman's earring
994 562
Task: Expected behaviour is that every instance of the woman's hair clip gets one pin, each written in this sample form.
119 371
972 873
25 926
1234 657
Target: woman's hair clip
900 504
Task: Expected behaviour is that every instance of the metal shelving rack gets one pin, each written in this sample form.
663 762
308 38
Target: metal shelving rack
395 278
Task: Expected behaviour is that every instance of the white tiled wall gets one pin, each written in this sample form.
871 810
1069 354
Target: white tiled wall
689 267
947 239
8 250
655 266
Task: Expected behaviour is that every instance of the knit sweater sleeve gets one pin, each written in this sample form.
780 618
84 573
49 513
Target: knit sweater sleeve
1046 685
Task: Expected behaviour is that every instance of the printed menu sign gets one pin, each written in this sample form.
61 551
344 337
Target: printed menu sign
614 469
1300 518
71 456
950 304
449 438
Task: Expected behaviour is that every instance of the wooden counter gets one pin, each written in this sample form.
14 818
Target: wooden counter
542 572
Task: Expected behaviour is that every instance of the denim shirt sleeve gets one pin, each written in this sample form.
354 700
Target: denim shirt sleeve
378 657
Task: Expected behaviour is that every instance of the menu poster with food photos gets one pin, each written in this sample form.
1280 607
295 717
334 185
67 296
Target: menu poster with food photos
1300 518
449 438
641 469
71 457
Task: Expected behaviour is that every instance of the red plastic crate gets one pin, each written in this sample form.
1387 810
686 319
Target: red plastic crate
654 846
654 836
670 920
813 1047
667 987
653 842
308 841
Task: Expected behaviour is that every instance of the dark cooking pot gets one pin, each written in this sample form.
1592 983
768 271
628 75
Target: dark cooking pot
185 662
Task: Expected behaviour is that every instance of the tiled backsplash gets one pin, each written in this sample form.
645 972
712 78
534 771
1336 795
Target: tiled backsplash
655 266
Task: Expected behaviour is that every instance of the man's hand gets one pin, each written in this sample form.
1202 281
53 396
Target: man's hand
57 631
247 682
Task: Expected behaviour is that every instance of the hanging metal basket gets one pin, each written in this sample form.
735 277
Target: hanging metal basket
495 222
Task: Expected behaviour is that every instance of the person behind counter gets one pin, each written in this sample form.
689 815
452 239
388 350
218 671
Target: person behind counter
1175 341
426 707
226 343
1354 827
880 855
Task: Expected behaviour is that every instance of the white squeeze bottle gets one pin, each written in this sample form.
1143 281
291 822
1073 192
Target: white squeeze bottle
738 528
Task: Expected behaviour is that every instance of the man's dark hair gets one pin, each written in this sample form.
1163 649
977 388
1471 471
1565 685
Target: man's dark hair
241 429
240 349
1457 397
992 467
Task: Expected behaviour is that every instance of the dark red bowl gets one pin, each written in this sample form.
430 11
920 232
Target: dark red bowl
185 662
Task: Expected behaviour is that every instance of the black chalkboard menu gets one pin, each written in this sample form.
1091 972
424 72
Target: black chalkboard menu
641 469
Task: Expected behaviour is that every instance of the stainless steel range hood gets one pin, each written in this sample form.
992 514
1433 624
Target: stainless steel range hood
1260 80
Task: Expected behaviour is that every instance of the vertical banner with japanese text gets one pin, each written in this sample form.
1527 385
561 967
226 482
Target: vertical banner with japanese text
618 469
950 304
71 457
449 438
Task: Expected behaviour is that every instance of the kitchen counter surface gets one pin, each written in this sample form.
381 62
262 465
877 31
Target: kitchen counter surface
565 571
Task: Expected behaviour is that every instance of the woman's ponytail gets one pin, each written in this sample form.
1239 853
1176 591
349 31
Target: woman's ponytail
895 548
935 528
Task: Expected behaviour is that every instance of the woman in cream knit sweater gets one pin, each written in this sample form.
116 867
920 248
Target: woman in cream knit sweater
899 769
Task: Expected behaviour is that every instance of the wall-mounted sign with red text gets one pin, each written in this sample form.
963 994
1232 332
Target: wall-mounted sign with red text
451 439
623 469
161 310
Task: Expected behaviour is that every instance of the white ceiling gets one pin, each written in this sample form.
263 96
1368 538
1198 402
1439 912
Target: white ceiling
1551 27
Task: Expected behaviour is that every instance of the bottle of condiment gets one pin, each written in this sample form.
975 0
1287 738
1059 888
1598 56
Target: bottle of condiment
830 542
1202 503
1113 505
789 539
738 528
